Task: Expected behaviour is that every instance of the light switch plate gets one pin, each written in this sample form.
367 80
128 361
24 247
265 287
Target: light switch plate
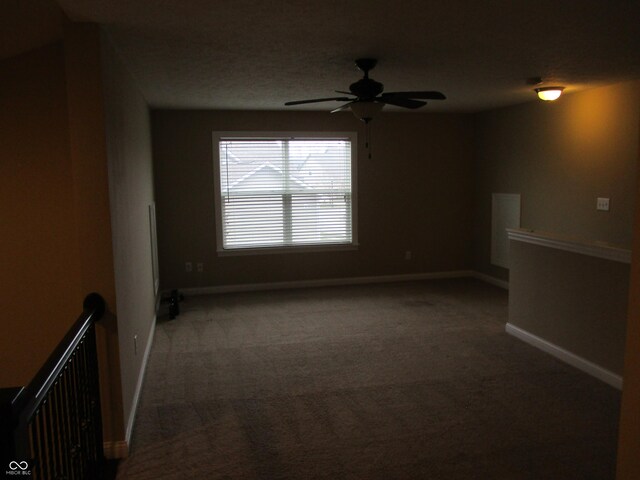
602 204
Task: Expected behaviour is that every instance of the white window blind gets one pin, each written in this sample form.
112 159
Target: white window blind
285 192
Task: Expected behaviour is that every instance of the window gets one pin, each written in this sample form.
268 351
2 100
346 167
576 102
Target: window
284 191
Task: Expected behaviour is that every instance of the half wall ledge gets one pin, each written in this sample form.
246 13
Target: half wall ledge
569 298
561 242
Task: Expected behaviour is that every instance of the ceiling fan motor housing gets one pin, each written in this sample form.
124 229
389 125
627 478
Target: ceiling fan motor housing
366 88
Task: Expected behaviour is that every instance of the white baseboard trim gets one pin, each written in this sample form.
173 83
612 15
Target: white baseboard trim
136 395
560 353
117 449
325 282
492 280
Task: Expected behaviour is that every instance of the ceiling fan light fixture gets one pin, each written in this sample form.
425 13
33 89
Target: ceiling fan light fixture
549 94
365 110
367 98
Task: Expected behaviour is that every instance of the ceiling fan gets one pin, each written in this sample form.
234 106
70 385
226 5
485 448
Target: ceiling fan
368 97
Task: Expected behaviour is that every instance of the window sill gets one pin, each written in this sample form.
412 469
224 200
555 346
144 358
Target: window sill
286 250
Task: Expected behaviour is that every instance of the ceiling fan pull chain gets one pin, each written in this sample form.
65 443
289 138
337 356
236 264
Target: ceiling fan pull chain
367 139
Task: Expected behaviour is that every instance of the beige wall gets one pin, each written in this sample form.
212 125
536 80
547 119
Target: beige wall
40 276
560 156
574 301
629 444
56 243
415 193
131 193
85 102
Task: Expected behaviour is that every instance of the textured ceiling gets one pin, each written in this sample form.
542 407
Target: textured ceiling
25 25
255 54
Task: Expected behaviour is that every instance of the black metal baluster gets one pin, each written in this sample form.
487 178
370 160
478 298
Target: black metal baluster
74 417
51 440
64 427
57 400
91 413
82 391
56 421
35 448
81 410
53 432
44 466
96 410
69 420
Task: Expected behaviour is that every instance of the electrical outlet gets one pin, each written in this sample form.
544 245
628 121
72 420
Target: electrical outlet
188 267
602 204
200 267
407 255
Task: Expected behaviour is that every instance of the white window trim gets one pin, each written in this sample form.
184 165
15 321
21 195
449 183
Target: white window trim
240 135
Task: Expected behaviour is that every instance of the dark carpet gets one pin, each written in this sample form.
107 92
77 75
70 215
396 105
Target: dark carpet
394 381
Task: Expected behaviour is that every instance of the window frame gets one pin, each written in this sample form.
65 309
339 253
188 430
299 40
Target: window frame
285 135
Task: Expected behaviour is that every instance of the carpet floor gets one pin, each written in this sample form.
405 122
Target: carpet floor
391 381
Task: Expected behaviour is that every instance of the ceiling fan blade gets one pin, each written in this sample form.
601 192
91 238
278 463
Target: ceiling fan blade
342 107
424 95
316 100
401 102
342 91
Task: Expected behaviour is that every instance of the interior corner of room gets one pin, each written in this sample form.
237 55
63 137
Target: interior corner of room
104 191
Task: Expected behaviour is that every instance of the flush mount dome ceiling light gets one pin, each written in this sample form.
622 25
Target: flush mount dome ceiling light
549 94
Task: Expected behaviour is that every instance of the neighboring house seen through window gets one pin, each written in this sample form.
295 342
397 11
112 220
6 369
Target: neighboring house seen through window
284 191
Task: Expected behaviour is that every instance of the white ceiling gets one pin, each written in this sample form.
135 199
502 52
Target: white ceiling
257 54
